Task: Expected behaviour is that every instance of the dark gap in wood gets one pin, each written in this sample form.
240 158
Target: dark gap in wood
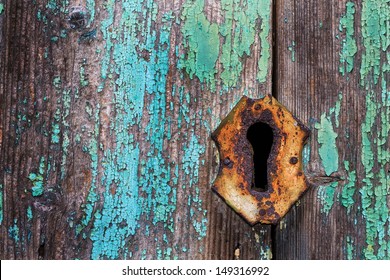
41 251
261 137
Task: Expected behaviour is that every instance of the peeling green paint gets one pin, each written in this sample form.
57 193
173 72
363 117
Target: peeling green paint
207 41
29 213
326 194
375 128
91 10
243 17
155 177
328 149
202 39
118 218
37 179
13 231
349 188
190 165
376 184
83 77
265 15
351 252
329 154
349 47
266 253
291 48
123 204
1 8
375 33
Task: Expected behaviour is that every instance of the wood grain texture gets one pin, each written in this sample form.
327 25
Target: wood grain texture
106 113
332 71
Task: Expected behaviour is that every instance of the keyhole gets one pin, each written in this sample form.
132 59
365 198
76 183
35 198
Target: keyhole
261 137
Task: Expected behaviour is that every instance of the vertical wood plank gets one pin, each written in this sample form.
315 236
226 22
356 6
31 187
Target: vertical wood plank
332 72
106 113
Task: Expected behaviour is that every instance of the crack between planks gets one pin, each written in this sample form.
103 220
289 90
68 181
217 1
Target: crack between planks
274 88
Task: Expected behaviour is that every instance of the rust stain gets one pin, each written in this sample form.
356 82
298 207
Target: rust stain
286 182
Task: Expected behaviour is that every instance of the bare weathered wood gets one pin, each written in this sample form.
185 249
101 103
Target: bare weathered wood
331 72
106 113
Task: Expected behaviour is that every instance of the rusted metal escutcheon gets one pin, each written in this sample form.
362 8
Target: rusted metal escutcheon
286 181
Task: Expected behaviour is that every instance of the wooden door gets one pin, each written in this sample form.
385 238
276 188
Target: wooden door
107 109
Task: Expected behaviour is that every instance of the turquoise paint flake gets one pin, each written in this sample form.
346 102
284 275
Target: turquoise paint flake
155 177
265 253
37 179
202 40
29 213
350 249
91 10
244 17
263 64
376 184
121 210
13 231
190 165
328 149
1 8
349 46
349 188
291 48
238 32
375 155
375 33
128 193
326 194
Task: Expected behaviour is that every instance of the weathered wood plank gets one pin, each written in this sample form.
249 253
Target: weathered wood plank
333 72
106 113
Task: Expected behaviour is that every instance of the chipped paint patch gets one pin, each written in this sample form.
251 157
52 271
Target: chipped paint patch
227 43
265 253
91 10
291 48
202 39
37 179
119 217
349 47
29 213
350 248
375 33
329 154
263 64
375 128
326 194
155 177
243 17
328 149
349 189
1 8
190 164
13 231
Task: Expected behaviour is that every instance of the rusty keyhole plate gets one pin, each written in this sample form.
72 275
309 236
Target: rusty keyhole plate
286 181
